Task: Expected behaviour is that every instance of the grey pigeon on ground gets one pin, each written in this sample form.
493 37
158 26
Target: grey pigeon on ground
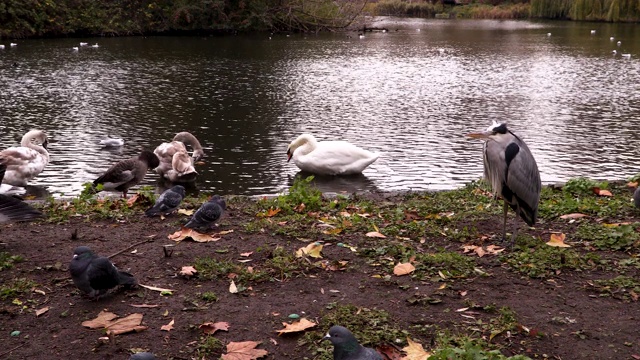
12 209
143 356
346 346
95 275
127 173
207 214
168 201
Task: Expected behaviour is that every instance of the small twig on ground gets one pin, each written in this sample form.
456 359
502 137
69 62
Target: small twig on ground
134 245
10 350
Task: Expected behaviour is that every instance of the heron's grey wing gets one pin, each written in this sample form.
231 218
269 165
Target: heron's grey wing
523 183
495 167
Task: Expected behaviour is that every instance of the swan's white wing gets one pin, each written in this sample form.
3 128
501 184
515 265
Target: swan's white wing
181 163
335 158
23 164
165 152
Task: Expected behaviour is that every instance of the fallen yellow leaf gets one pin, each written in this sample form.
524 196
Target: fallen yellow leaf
375 234
184 233
557 240
210 328
312 250
573 216
301 325
186 212
188 271
41 311
415 351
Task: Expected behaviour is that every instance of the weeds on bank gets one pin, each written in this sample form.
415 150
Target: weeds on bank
15 287
7 260
621 287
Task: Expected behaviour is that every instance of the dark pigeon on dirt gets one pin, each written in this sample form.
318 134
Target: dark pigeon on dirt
95 275
207 214
167 202
346 346
12 209
143 356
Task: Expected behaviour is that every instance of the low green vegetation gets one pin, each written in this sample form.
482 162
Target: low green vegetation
15 287
7 260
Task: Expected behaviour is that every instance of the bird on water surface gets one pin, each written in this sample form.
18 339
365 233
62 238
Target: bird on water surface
512 172
346 346
175 163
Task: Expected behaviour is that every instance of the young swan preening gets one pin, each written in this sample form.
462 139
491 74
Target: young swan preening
175 163
27 160
329 157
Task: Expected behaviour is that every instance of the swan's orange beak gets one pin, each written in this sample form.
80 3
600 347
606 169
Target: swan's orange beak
289 155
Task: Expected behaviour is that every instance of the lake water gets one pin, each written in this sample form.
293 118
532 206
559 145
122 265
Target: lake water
410 93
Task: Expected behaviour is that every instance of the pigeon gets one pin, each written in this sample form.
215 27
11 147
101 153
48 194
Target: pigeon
207 214
95 275
143 356
12 209
167 202
346 347
127 173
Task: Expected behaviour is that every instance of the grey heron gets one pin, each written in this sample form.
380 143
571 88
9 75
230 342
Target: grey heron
512 172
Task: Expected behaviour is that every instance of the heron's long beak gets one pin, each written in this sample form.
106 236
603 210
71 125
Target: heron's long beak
289 155
482 135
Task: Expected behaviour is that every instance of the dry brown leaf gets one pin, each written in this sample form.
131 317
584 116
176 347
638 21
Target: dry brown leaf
415 351
557 240
188 271
41 311
632 184
391 352
233 288
375 234
225 232
573 216
145 305
125 325
244 350
184 233
167 327
101 321
210 328
298 326
403 269
602 192
247 254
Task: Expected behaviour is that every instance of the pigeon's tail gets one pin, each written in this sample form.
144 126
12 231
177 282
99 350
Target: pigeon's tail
124 278
153 211
12 209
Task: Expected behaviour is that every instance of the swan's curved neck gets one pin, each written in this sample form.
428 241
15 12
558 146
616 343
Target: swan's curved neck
188 139
26 142
305 145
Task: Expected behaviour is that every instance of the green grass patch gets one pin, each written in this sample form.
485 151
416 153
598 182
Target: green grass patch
370 326
15 288
620 237
542 261
621 287
7 260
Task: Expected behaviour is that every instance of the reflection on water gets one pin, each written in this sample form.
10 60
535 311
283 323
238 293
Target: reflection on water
409 95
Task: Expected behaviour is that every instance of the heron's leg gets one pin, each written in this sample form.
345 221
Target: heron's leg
515 232
504 224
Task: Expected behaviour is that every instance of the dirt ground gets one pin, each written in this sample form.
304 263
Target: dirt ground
565 319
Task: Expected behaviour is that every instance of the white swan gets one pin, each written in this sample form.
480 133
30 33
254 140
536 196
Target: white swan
329 157
27 160
175 163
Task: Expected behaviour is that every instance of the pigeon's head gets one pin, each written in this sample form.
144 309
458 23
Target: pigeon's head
340 335
219 200
82 252
179 189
